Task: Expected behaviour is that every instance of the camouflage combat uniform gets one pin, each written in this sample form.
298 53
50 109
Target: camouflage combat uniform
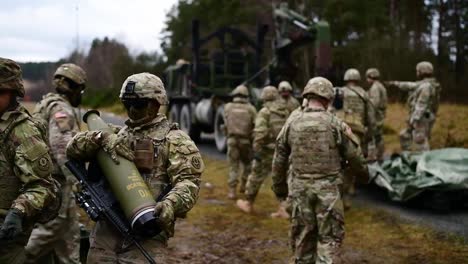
423 104
313 146
270 119
176 162
378 97
62 234
25 167
358 114
240 121
289 100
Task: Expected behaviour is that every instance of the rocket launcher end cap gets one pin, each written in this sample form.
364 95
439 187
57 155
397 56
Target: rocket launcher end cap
87 114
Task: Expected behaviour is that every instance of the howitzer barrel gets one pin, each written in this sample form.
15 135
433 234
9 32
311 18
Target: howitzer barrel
126 183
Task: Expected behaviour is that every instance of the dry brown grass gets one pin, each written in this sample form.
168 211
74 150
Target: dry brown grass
372 236
450 129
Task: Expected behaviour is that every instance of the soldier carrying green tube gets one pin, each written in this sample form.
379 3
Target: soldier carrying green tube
163 155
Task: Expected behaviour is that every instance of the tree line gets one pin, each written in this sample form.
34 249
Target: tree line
392 35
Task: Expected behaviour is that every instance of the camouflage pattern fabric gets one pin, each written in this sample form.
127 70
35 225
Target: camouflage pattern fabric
290 102
378 98
358 114
240 120
62 234
268 123
25 175
307 169
423 104
176 162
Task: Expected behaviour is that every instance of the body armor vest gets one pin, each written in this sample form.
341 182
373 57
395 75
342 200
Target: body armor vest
239 120
151 152
314 148
10 184
354 109
278 117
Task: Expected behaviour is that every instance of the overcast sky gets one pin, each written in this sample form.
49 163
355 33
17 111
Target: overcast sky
45 30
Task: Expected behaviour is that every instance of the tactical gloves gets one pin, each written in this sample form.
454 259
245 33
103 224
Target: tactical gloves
114 145
12 226
164 212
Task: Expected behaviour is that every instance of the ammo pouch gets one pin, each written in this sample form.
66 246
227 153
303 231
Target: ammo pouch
144 155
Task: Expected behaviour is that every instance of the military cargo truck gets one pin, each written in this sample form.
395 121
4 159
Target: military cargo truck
199 88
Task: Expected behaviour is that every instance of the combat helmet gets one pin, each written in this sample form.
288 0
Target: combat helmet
352 75
424 68
319 86
144 86
10 76
240 90
373 73
284 86
269 93
72 72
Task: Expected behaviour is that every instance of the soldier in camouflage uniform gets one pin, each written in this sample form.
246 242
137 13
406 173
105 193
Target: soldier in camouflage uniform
358 113
164 155
285 90
26 185
378 97
240 121
423 103
269 121
61 235
307 170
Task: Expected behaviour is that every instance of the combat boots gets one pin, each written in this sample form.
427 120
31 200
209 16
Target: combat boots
245 206
232 194
281 213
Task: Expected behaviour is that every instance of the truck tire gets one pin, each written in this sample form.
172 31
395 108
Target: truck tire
174 114
186 125
220 137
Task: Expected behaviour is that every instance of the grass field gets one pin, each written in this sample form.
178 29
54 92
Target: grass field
372 236
450 129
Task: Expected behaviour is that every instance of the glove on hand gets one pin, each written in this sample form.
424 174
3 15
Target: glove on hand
12 226
164 212
114 145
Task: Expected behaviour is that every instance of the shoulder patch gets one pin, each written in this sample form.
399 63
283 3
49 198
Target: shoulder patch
349 133
60 115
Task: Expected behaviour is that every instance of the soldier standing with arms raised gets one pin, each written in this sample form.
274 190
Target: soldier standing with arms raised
378 97
240 121
286 96
62 234
313 145
358 113
164 155
423 104
26 186
269 121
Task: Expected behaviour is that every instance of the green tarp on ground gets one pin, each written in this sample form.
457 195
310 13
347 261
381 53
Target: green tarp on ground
407 175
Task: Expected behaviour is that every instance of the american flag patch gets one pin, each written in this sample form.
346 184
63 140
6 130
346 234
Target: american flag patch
60 115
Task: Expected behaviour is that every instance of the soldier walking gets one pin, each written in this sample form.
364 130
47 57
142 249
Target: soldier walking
269 121
423 104
164 155
61 235
26 185
286 96
240 120
378 97
358 113
313 145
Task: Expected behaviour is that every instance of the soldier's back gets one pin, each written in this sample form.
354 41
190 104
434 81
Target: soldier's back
239 118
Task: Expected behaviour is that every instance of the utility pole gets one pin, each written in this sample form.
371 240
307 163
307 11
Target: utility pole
77 23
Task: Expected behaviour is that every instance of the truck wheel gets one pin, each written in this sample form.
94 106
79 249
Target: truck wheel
186 124
220 137
174 114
